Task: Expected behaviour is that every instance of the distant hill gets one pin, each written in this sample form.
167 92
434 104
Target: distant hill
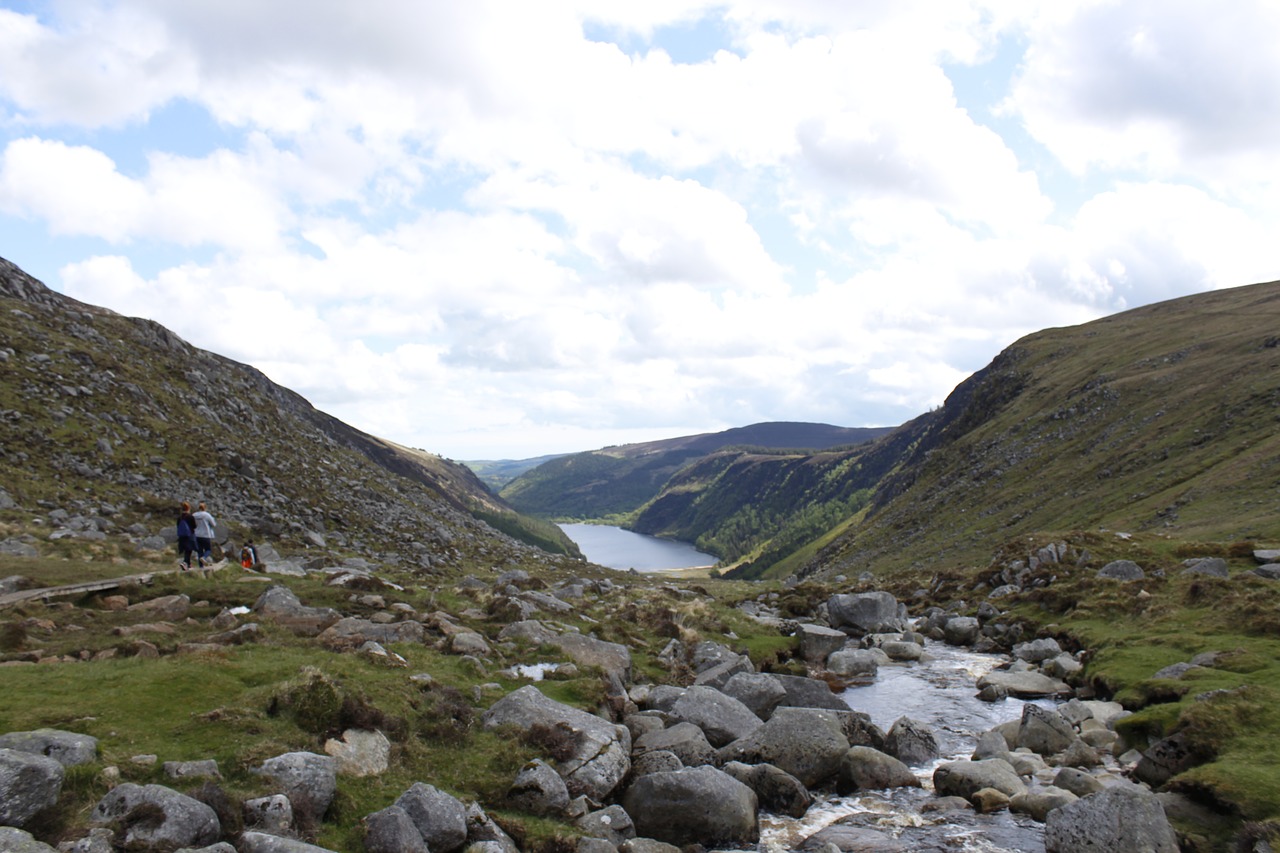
121 419
496 473
617 480
1163 419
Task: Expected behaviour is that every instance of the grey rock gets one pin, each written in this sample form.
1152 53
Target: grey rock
865 612
965 778
588 651
1036 651
903 651
1043 731
391 830
1175 670
1124 818
911 742
183 821
1267 555
29 783
612 823
360 753
67 748
261 842
482 829
808 743
14 840
351 633
282 606
808 693
853 663
776 790
698 805
441 818
961 631
684 740
722 718
307 779
760 692
602 755
646 845
272 815
656 761
719 675
817 642
1077 781
205 768
1024 685
1038 802
538 789
1164 759
1214 567
867 769
1122 570
849 838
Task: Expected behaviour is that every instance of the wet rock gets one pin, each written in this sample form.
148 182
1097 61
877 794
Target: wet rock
964 778
808 743
848 838
911 742
867 769
777 790
698 805
1124 818
1038 802
988 800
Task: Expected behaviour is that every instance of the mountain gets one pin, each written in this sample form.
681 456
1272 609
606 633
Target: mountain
1163 419
496 473
116 420
618 480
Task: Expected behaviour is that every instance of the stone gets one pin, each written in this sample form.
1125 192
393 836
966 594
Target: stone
173 819
867 769
1163 760
759 692
538 789
1214 567
776 790
307 779
601 756
817 642
29 783
911 742
279 604
722 718
612 823
1038 802
440 818
657 761
360 753
169 608
698 805
903 651
1043 731
964 778
853 663
808 743
391 830
205 768
1036 651
67 748
988 800
1077 781
261 842
805 692
1122 570
865 613
961 631
1123 818
1024 685
14 840
719 675
684 740
273 814
849 838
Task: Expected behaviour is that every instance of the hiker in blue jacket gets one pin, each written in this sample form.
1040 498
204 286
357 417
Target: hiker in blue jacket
186 535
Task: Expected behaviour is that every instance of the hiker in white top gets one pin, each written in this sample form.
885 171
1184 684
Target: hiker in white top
205 523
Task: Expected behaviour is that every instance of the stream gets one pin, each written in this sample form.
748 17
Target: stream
940 693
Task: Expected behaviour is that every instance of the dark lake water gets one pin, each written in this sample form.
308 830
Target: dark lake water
622 549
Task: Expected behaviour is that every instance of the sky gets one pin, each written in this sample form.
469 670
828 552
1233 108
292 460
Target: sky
502 229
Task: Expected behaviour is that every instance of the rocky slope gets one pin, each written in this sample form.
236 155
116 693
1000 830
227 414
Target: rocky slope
112 421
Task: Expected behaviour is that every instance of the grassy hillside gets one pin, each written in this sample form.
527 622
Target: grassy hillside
618 480
496 473
1163 419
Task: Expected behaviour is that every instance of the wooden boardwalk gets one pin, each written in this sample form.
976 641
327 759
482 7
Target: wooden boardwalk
142 579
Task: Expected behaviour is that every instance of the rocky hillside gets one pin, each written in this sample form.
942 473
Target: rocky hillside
617 480
107 422
1162 419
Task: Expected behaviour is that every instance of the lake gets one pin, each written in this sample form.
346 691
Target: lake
622 549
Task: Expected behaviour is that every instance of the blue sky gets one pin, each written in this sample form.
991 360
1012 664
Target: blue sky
503 229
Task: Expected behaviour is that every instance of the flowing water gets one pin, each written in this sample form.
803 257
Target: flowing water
940 693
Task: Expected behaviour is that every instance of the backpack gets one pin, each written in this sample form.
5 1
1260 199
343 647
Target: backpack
184 528
248 558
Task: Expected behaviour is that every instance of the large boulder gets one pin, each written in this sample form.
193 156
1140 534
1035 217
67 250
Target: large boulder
865 613
1123 818
1044 731
352 633
538 789
1038 802
911 742
1025 685
588 651
309 781
721 717
67 748
29 783
776 789
718 676
759 691
817 642
684 740
961 631
601 750
854 663
14 840
1122 570
805 692
966 778
279 604
850 838
441 818
697 805
867 769
262 842
156 817
808 743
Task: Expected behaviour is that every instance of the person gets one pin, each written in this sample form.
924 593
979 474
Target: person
186 535
248 556
205 524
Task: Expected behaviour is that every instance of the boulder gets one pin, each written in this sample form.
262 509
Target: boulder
1037 650
167 608
484 830
539 790
1077 781
657 761
865 613
279 604
261 842
1122 570
153 816
14 840
646 845
29 783
1038 802
602 750
588 651
698 805
902 651
964 778
961 631
1024 685
391 830
717 676
867 769
360 753
351 633
67 748
850 838
1123 818
911 742
853 663
441 818
307 779
1214 567
721 717
1164 759
817 642
808 743
776 790
1043 731
684 740
273 814
611 823
805 692
760 692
